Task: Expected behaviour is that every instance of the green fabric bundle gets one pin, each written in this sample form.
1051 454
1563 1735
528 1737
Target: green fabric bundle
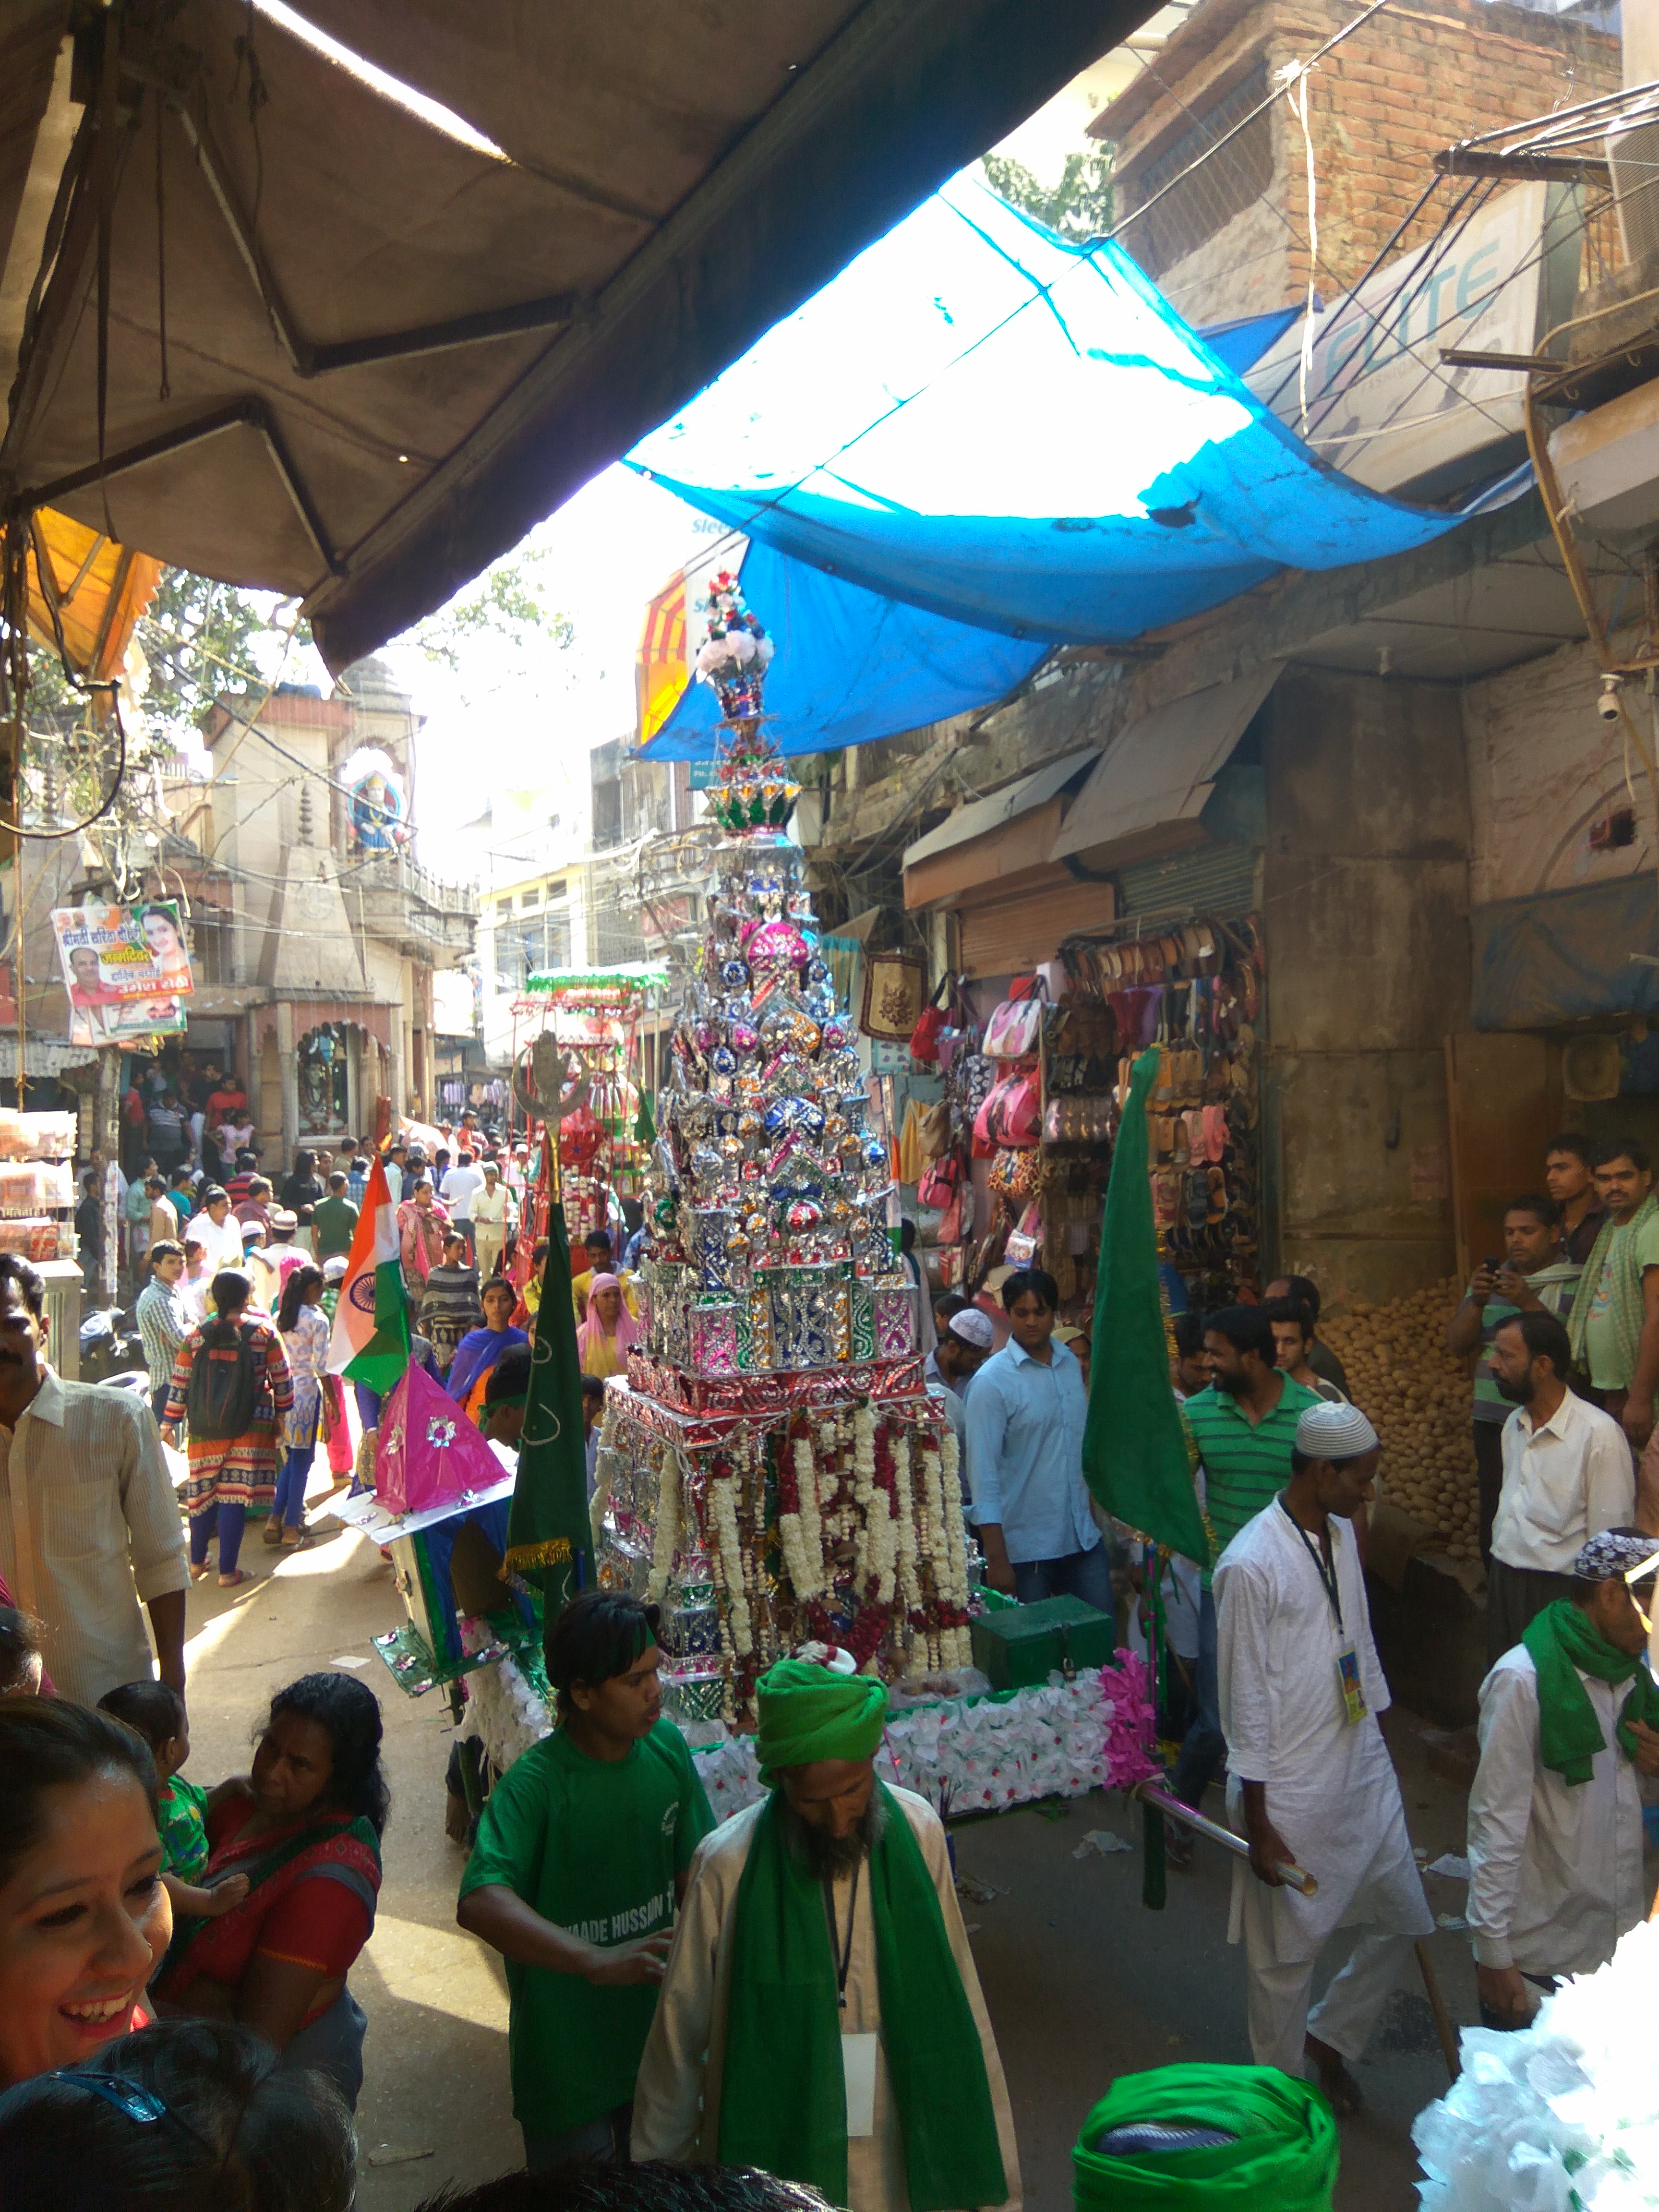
808 1713
1284 2159
1561 1641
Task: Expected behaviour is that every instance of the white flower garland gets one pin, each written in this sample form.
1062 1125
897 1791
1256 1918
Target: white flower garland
802 1533
665 1534
605 1482
956 1644
723 1512
881 1546
909 1586
863 1454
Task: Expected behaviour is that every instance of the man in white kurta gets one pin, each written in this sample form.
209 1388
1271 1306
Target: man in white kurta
1307 1783
677 2102
1555 1856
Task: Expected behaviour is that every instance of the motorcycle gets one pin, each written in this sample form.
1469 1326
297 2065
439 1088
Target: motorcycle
111 1348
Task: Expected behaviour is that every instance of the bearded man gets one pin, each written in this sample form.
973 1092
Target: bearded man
821 2017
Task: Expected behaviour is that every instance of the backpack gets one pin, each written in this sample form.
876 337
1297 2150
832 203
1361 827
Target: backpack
224 1384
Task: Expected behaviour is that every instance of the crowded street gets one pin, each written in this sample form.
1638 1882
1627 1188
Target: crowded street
1082 1982
830 1106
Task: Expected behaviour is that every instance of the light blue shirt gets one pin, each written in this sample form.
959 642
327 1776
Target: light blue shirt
1025 1453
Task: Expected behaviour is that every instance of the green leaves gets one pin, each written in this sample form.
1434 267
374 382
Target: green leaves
1079 206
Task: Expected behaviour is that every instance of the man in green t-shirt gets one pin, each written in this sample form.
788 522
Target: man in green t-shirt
1244 1427
582 1856
333 1220
1613 1328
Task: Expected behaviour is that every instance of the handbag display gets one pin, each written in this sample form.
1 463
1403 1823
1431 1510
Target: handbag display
940 1180
1010 1116
1013 1030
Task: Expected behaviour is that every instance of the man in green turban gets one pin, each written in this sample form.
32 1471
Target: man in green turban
821 2017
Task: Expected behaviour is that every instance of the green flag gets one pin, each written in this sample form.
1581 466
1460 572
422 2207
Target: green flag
1134 1450
547 1528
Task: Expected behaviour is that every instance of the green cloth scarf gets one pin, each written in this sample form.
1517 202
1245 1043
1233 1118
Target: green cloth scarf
807 1713
1562 1642
783 2100
1624 1312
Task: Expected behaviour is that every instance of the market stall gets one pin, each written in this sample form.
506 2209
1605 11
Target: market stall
1009 1149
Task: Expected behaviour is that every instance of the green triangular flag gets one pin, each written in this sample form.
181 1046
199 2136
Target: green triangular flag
1134 1450
547 1527
644 1129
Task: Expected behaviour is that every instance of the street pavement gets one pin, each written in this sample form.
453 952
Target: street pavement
1082 1982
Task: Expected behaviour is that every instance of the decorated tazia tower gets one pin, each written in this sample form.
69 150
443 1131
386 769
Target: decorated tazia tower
772 1469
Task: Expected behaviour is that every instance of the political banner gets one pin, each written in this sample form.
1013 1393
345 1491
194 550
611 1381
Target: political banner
126 970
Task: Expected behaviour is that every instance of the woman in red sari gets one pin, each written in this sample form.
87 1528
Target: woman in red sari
305 1827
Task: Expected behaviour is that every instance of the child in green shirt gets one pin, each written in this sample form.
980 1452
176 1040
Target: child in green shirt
156 1712
582 1856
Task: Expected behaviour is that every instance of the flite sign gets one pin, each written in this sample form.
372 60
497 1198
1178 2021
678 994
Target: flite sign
1382 405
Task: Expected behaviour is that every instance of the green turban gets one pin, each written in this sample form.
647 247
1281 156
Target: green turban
808 1713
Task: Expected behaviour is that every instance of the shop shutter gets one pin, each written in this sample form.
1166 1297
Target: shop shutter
1216 878
1007 936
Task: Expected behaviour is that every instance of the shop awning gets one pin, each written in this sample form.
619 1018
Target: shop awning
980 816
984 421
427 268
86 592
1155 776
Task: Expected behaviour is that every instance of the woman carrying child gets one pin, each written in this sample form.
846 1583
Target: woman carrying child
304 1830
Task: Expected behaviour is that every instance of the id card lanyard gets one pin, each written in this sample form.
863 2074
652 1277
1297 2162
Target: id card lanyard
858 2053
1348 1659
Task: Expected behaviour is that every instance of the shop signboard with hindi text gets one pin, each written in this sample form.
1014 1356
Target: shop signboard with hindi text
126 969
1382 405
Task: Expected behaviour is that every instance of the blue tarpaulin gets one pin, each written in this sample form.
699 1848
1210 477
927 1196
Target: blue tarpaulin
851 666
1563 956
980 422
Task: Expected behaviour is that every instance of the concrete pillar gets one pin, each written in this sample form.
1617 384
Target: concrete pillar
285 1048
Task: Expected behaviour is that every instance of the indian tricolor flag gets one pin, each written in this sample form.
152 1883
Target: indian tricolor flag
370 1343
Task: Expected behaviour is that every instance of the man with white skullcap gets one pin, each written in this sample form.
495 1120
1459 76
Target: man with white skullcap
1311 1781
1569 1719
968 1341
964 1345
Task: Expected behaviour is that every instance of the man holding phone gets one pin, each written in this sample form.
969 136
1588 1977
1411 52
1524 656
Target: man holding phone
1531 1278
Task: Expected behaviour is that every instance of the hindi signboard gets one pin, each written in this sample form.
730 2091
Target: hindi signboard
126 969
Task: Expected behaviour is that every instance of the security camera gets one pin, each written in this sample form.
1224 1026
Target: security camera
1607 706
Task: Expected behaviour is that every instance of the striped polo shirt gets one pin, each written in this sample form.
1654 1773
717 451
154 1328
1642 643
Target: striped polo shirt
1245 1465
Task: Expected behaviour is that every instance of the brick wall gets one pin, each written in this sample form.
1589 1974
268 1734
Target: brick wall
1412 81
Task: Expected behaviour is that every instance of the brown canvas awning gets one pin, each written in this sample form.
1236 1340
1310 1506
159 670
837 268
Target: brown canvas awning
353 353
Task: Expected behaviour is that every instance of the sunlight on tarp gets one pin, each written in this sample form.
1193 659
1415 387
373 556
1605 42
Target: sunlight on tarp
985 422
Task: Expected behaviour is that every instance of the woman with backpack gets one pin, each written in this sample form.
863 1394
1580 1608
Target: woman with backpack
231 1382
303 1326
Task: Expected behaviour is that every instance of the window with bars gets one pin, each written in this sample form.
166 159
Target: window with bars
1205 202
531 948
618 934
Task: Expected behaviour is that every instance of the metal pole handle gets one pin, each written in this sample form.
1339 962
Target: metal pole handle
1292 1877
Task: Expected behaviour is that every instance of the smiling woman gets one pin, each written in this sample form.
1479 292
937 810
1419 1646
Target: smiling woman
83 1916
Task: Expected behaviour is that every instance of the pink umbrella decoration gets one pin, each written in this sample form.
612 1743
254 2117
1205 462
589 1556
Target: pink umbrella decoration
429 1453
